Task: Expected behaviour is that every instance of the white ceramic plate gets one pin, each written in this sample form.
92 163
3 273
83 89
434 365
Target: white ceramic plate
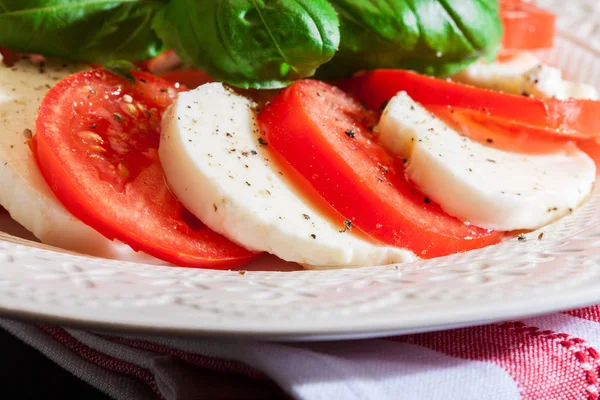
513 279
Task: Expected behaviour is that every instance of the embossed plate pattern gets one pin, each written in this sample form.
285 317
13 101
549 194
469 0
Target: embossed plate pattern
515 278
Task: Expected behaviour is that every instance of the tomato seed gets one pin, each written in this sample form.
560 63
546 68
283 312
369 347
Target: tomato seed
90 136
130 110
122 171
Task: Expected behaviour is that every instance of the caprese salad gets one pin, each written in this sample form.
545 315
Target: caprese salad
366 135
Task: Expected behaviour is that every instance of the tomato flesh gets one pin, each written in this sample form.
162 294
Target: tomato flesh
567 119
97 146
8 57
526 26
326 136
190 78
592 148
493 134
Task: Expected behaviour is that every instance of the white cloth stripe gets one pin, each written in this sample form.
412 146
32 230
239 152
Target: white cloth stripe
351 369
116 385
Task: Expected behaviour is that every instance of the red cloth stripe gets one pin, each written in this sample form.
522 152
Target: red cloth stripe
590 313
544 364
210 363
101 359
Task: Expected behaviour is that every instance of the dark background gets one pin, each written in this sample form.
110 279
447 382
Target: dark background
26 373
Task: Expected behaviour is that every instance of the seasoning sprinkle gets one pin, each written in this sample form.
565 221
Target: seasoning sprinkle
347 226
350 133
306 216
262 141
541 236
521 237
313 236
426 200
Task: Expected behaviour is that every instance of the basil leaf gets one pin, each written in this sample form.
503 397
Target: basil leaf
251 43
121 68
436 37
81 30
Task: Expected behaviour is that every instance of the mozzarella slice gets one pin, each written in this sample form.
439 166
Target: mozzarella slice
216 166
524 74
23 190
482 185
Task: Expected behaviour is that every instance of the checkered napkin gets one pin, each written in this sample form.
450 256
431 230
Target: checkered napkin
548 357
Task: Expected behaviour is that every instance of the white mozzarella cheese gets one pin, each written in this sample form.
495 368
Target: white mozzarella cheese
23 190
482 185
524 74
217 167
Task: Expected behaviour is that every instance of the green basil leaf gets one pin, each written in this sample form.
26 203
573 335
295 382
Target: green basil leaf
436 37
81 30
251 43
121 68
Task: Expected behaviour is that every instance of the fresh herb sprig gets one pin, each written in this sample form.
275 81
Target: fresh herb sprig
252 43
90 31
437 37
260 43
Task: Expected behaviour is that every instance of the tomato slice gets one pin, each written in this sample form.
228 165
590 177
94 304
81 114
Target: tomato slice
526 26
326 136
190 78
566 119
490 133
97 146
169 66
592 148
9 57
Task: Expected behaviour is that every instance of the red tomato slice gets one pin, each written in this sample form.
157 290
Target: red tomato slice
9 57
165 62
168 66
566 119
526 26
490 133
97 146
326 136
190 78
592 148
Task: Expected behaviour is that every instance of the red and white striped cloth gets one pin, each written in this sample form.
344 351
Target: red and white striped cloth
548 357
